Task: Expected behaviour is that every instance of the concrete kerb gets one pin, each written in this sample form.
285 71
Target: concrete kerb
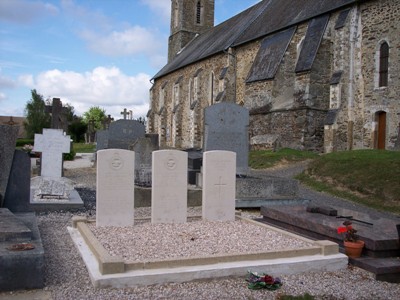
106 270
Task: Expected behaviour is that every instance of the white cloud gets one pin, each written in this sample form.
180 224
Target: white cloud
108 88
131 41
23 11
160 7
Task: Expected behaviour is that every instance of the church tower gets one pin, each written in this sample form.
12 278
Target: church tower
188 18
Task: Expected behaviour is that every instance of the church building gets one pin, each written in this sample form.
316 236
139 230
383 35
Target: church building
316 75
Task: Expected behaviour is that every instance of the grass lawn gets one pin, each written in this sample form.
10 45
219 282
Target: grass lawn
83 148
368 177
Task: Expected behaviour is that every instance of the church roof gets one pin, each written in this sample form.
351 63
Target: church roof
260 20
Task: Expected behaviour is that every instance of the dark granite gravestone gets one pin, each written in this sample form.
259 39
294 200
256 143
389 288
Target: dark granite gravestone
123 133
8 138
195 162
379 232
101 139
17 196
226 128
143 149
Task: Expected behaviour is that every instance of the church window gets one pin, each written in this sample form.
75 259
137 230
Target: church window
176 94
161 98
195 89
198 12
383 64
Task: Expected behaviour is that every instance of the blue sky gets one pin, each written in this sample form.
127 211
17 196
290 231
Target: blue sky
86 52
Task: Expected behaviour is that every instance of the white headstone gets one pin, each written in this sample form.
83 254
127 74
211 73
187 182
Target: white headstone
219 185
169 186
115 187
52 143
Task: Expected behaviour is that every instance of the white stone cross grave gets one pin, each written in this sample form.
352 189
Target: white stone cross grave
52 143
219 185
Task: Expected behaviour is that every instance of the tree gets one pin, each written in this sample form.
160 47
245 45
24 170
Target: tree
77 129
95 114
36 116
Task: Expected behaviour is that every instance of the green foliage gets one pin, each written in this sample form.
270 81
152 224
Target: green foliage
370 177
77 129
84 148
36 116
70 155
267 158
23 142
95 114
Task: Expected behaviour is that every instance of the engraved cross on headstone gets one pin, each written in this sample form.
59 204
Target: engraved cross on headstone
52 143
219 185
125 113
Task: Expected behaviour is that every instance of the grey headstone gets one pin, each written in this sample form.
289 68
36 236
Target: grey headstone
8 138
143 149
123 133
226 128
17 198
101 139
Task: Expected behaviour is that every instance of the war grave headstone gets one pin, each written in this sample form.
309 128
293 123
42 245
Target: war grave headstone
143 149
169 187
51 191
115 187
123 133
219 181
378 231
226 128
19 230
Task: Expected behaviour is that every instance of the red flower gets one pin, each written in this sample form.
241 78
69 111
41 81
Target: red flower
341 230
269 279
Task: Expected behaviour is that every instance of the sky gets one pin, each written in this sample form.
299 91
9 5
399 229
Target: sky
87 52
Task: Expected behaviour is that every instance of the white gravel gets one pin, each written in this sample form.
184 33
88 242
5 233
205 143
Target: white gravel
148 241
66 276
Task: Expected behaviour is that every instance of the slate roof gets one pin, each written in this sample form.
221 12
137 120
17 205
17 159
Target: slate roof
260 20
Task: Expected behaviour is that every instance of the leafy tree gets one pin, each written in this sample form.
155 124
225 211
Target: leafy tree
77 129
36 116
95 114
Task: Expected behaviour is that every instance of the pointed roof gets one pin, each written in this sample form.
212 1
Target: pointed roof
260 20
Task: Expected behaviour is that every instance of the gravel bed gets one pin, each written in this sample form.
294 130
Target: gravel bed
66 276
148 241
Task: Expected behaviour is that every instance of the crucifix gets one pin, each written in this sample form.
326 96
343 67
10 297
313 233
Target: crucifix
219 185
125 113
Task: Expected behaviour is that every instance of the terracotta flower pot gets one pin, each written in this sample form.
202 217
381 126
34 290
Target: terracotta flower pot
354 249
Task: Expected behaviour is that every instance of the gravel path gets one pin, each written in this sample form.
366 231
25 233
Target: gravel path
67 277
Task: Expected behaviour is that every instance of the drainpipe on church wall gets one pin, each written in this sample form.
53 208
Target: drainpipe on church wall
353 38
232 57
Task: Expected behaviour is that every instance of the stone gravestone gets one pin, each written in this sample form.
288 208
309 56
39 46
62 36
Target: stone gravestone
169 187
219 185
17 196
226 128
115 187
8 138
143 149
101 139
123 133
52 143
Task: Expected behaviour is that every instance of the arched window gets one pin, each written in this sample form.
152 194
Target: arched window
383 64
198 13
176 14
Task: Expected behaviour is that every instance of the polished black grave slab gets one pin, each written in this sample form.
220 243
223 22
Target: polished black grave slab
381 254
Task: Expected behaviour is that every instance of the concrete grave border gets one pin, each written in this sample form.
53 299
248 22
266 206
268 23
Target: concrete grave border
111 271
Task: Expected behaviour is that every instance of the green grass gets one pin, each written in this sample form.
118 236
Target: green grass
84 148
368 177
266 158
